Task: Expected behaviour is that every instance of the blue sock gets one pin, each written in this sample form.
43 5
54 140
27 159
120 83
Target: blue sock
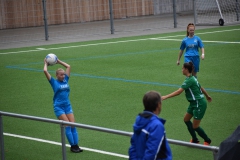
69 135
75 135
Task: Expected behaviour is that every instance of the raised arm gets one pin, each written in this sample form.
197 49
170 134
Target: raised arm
67 66
45 70
173 94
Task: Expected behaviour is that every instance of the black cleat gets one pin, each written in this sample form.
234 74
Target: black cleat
76 149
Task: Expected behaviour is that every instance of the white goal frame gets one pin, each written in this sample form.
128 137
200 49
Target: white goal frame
216 12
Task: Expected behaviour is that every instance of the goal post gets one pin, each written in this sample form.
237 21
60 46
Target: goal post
216 12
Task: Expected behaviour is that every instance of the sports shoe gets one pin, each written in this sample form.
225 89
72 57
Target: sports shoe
194 141
76 149
207 143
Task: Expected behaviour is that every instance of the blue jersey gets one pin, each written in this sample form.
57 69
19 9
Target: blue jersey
61 91
191 45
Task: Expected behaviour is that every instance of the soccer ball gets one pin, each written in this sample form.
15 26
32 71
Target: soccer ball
51 59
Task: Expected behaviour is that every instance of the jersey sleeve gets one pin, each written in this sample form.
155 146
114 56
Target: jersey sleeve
183 45
51 80
66 77
200 44
186 84
53 84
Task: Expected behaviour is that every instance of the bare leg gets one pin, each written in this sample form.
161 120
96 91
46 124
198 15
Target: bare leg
187 117
63 117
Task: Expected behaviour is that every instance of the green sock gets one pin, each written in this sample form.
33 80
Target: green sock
191 130
202 134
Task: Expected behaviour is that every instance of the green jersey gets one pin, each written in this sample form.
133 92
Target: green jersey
192 89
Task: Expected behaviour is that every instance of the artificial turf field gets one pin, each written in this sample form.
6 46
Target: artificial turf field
108 80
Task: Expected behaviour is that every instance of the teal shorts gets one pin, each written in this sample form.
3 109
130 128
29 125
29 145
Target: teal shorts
64 109
195 60
197 108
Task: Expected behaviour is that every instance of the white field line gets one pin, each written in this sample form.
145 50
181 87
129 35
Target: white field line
96 44
202 33
161 39
58 143
84 45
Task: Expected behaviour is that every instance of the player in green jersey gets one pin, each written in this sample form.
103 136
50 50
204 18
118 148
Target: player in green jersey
198 105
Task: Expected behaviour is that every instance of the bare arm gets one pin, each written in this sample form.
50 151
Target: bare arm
173 94
45 70
203 54
206 94
179 56
67 66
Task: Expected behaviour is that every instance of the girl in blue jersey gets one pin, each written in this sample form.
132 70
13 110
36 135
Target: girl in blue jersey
192 44
61 103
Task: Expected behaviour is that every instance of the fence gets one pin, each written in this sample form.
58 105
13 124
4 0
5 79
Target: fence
23 20
214 149
22 13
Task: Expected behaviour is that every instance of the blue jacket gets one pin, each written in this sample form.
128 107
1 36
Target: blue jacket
149 140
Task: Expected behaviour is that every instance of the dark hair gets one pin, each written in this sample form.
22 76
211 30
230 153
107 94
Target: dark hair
151 100
190 25
189 66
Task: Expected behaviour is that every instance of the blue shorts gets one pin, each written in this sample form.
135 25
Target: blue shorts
64 109
195 60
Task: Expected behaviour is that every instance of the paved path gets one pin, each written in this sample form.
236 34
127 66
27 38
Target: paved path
35 36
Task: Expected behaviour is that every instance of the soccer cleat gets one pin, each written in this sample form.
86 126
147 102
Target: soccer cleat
194 141
76 149
207 143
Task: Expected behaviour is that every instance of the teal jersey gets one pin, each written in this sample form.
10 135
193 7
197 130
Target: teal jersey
61 91
192 89
191 45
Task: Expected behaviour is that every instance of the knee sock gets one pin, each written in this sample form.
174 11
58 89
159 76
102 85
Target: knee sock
75 135
191 130
69 135
202 134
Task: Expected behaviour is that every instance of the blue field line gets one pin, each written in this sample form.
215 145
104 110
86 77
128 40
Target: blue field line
149 83
223 91
105 56
126 80
27 69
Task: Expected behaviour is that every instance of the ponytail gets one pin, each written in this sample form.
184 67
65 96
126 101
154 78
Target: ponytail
189 66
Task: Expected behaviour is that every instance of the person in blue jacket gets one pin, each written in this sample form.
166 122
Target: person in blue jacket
149 140
61 103
191 43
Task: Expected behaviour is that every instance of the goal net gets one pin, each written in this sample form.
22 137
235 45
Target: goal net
216 12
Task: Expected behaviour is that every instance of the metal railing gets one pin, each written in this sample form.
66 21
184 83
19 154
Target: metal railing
214 149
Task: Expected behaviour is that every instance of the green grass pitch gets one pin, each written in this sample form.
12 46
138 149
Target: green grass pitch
108 79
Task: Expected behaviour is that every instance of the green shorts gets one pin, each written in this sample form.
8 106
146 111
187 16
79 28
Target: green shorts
197 108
